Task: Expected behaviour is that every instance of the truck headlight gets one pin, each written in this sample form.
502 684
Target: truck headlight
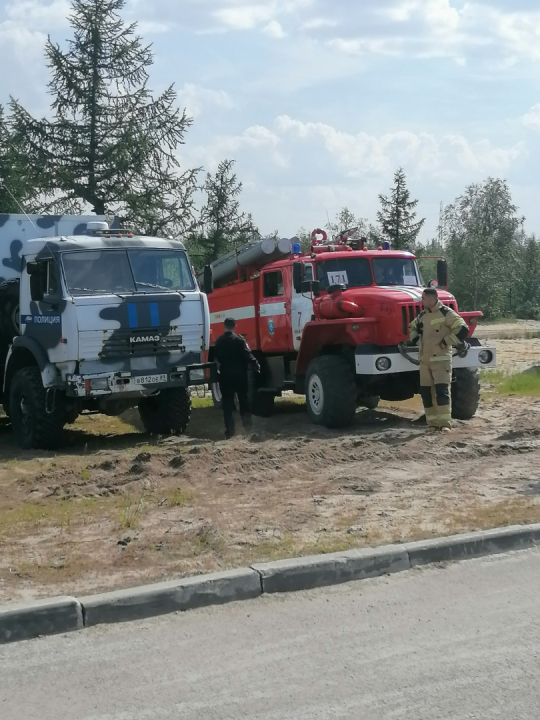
196 375
485 356
99 383
383 363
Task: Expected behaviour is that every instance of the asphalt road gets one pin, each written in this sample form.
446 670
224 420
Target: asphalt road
455 642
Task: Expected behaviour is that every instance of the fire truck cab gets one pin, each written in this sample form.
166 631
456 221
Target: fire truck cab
328 324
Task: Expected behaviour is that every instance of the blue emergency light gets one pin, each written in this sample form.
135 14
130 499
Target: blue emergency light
296 249
386 245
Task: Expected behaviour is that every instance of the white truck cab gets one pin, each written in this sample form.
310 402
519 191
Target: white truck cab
108 320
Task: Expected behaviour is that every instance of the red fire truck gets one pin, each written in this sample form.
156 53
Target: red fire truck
329 323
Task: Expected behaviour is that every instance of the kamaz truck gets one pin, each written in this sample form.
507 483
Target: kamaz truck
96 320
330 323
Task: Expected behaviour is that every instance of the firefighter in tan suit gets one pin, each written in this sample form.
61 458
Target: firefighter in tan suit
437 329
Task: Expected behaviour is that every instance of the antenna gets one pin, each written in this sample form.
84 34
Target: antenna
20 207
440 223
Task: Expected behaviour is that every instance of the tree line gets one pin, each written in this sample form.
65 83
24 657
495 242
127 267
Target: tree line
111 146
494 266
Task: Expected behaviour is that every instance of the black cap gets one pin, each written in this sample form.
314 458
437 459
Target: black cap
230 322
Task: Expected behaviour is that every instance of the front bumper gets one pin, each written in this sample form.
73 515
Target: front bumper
370 358
123 383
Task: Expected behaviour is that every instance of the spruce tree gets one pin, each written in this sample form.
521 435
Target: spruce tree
223 227
397 216
110 144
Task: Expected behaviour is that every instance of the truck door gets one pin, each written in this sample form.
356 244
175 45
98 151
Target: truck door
301 308
275 329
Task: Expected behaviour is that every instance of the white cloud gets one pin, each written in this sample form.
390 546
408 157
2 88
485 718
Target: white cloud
151 27
34 12
245 17
401 12
274 30
319 22
363 153
195 99
255 140
532 118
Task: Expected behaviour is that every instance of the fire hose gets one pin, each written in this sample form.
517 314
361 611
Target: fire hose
462 351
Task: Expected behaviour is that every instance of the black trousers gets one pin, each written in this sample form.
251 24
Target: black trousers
229 388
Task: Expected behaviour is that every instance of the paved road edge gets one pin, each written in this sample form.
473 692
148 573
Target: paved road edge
65 614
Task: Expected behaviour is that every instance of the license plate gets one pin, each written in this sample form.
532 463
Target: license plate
150 379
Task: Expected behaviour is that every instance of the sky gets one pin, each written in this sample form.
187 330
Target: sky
320 101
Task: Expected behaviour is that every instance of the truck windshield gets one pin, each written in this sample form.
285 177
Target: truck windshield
353 272
395 271
141 270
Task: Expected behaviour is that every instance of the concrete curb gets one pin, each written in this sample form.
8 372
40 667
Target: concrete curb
475 544
167 597
331 569
44 617
64 614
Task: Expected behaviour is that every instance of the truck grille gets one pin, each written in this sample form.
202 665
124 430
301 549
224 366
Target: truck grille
124 342
409 312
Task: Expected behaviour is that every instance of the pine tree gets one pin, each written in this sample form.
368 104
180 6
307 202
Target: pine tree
111 144
397 215
223 227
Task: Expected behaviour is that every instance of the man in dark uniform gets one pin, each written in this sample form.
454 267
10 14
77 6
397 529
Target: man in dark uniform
234 358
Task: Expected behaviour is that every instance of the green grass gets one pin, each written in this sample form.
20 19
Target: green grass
198 402
527 383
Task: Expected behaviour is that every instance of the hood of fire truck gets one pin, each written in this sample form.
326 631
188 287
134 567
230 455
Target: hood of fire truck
390 308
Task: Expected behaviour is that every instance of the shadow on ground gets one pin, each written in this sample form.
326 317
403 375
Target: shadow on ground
97 433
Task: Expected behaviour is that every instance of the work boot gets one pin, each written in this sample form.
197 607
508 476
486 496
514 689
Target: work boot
446 429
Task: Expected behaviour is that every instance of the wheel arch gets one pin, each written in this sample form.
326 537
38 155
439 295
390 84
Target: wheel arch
26 352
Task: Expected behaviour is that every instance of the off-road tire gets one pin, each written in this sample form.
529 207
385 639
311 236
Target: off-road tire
330 391
9 309
216 396
167 413
34 427
262 403
370 403
465 393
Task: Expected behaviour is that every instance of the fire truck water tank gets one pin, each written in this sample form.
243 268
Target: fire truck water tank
254 256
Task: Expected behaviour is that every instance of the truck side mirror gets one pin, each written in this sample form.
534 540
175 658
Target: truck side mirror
442 273
297 275
312 286
32 268
52 299
208 280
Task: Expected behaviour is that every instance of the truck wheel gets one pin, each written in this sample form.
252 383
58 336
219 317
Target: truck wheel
36 426
465 393
167 413
9 309
216 395
370 403
262 404
330 391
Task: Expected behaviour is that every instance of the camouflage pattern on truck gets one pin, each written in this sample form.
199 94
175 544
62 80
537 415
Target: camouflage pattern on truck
143 333
15 229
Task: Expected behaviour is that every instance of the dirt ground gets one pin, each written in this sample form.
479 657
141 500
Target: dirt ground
116 508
